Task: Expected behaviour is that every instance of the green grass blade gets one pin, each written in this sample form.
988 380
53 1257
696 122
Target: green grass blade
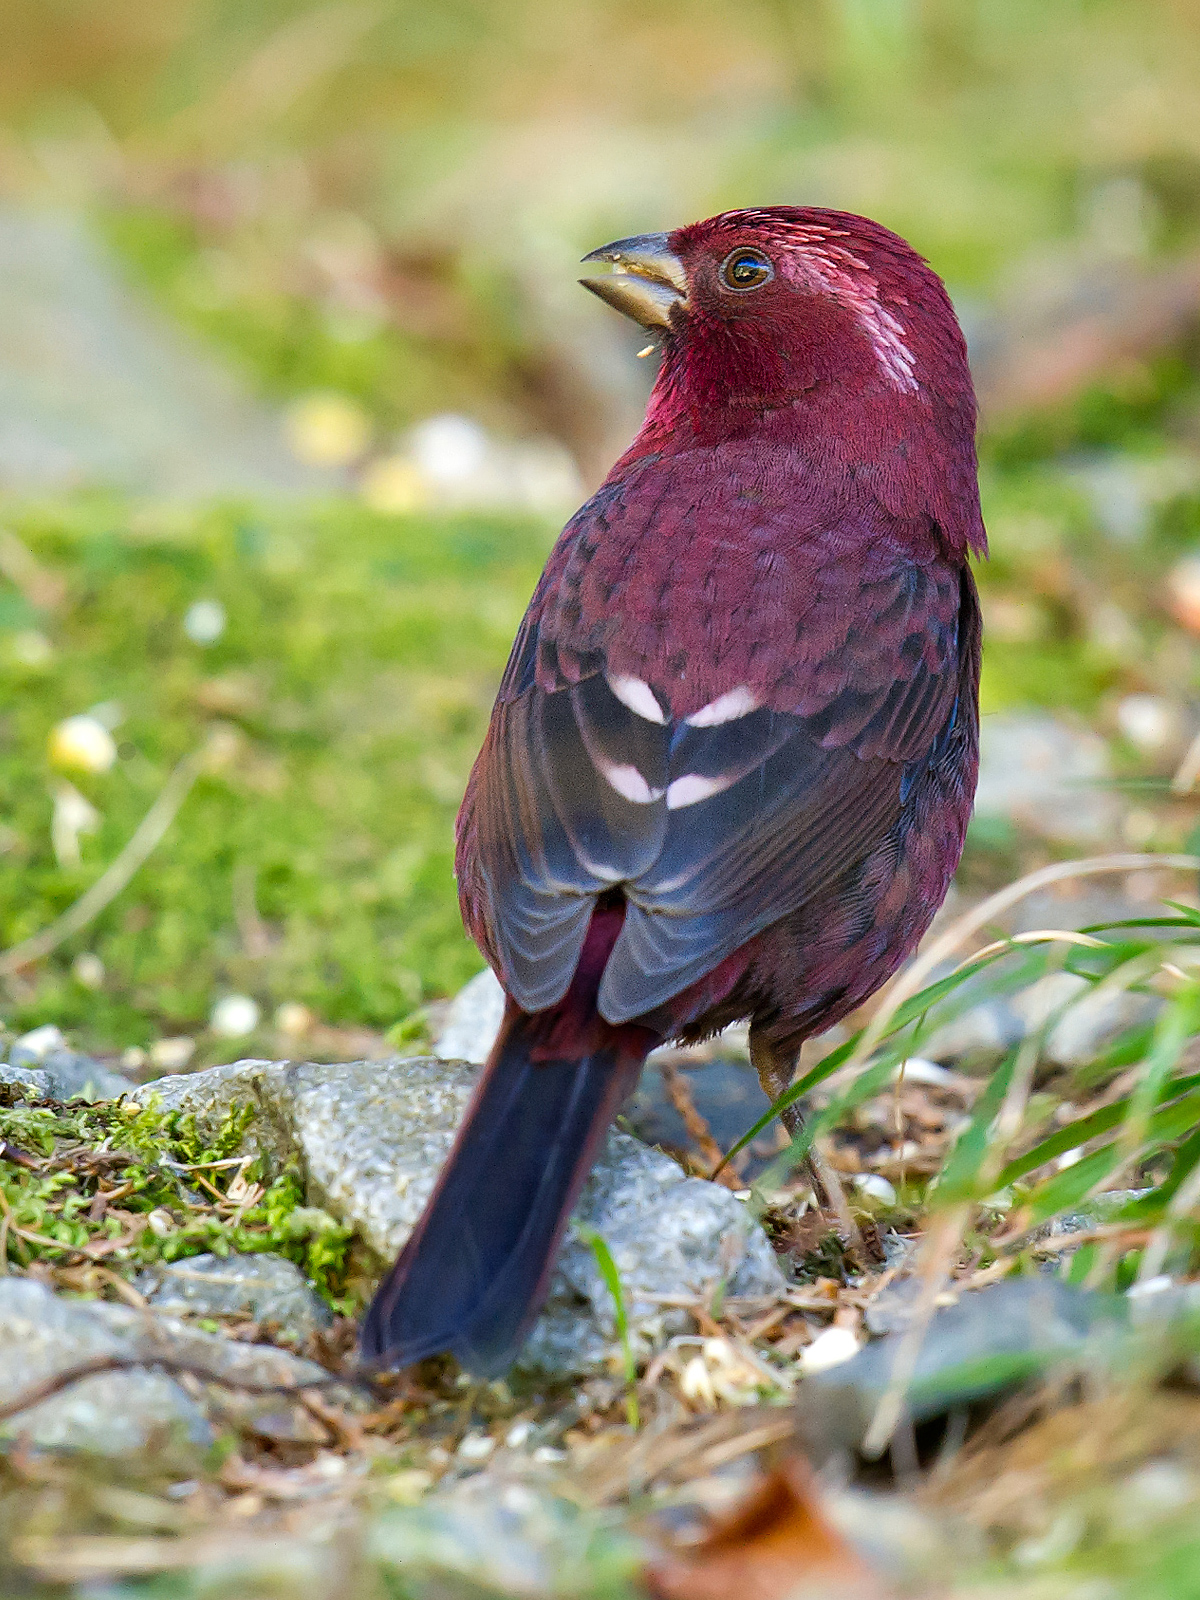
959 1177
917 1011
612 1279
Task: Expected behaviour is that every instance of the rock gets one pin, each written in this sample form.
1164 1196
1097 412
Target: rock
494 1535
267 1288
120 1414
473 1020
891 1310
990 1340
983 1031
1047 776
700 1235
25 1083
1092 1021
210 1097
66 1076
43 1062
1099 1210
724 1087
1088 1021
724 1090
96 387
370 1137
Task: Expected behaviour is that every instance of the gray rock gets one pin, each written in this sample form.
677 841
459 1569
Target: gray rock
370 1137
492 1534
982 1033
66 1076
699 1235
76 1077
118 1414
1047 776
1080 1021
210 1097
1093 1021
27 1083
268 1288
42 1061
473 1020
1100 1209
989 1341
97 387
891 1310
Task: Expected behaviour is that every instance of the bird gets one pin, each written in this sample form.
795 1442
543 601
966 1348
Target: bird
732 759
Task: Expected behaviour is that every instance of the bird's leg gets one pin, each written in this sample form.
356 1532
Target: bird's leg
776 1072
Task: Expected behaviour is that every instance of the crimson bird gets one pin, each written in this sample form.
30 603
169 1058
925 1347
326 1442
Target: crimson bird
731 761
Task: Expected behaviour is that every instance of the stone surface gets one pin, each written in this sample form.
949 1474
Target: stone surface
119 1413
42 1062
97 387
370 1137
1047 776
985 1343
473 1020
267 1288
211 1095
725 1091
25 1083
1086 1022
668 1235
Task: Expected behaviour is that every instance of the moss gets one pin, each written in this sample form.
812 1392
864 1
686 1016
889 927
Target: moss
355 674
125 1186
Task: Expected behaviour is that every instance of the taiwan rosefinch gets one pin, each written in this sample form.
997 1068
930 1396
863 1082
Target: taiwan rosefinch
731 762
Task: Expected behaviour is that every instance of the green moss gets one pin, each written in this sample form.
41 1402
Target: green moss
149 1179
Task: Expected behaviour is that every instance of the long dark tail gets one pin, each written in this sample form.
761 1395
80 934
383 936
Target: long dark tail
472 1277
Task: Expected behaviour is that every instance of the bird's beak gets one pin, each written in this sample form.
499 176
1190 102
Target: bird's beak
649 282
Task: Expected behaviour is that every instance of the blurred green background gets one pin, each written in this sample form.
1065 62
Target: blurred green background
296 387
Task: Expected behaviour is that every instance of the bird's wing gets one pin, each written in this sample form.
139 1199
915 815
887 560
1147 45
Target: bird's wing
714 824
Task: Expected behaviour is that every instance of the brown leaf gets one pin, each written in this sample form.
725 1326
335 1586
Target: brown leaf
776 1546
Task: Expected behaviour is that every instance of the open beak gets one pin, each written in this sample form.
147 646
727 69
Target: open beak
649 282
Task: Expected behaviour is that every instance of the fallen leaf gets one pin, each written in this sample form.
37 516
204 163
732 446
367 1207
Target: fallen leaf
776 1546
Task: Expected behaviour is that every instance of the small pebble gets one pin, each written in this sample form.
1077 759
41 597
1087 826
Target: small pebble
327 430
1152 1286
293 1018
829 1349
204 621
88 970
917 1070
476 1447
40 1042
1148 721
234 1016
82 744
409 1486
173 1054
870 1183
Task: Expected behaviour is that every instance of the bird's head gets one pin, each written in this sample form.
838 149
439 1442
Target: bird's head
811 328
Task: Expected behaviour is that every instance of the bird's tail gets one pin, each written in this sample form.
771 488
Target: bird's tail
472 1277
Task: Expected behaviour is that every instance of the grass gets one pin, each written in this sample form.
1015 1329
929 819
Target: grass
355 675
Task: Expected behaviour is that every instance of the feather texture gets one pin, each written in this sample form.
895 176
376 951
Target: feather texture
731 762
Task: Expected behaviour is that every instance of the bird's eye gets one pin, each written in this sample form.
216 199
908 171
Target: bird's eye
746 269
